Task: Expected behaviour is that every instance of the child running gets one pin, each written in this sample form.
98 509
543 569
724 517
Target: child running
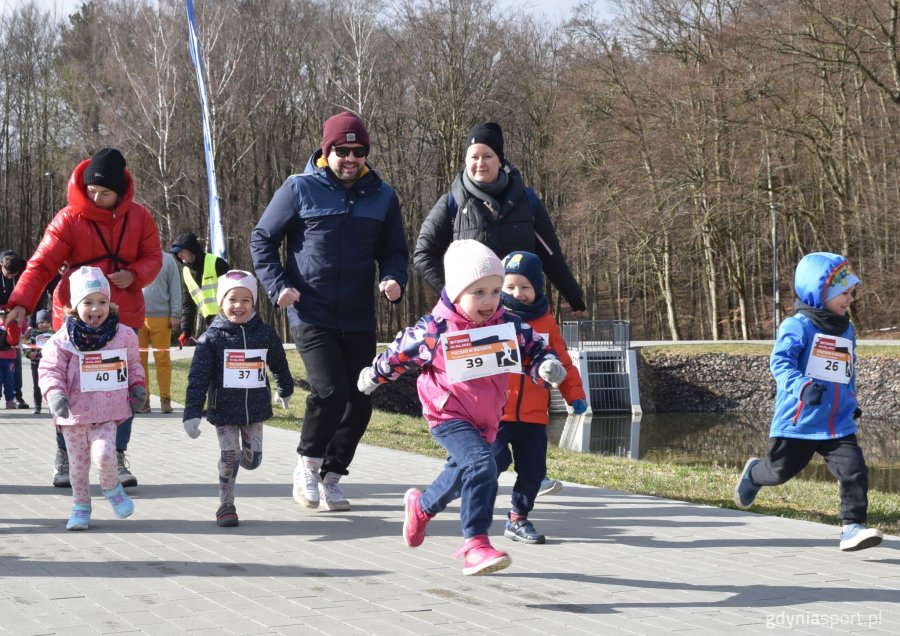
465 348
814 364
35 339
91 376
229 367
523 427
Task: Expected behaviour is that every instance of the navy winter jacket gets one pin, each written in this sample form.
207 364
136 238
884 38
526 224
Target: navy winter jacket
334 236
230 405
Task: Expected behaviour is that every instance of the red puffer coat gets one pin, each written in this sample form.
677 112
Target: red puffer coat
73 238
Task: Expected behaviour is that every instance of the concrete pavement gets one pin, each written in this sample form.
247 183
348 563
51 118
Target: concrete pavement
614 562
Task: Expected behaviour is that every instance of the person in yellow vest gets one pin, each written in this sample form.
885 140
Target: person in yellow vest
200 276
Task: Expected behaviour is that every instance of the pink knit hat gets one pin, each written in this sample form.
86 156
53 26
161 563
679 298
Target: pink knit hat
465 262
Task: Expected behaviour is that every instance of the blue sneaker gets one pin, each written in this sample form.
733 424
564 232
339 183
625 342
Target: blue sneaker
523 531
745 491
121 503
80 518
857 536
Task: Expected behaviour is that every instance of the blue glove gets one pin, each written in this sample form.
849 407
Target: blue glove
812 393
578 406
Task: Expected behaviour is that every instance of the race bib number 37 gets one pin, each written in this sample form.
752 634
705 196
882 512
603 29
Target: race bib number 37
103 370
244 369
831 359
480 352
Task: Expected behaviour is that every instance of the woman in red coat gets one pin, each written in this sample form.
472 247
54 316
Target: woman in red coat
102 227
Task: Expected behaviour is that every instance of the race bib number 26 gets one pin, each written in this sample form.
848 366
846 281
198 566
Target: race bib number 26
831 359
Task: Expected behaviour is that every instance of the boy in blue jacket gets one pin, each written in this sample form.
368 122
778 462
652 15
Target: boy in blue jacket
229 370
814 364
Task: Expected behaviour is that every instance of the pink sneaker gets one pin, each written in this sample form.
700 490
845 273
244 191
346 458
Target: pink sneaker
481 557
414 521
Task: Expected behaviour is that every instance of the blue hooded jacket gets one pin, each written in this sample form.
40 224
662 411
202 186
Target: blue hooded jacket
334 237
793 359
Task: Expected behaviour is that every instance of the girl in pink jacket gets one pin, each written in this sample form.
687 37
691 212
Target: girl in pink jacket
92 379
466 348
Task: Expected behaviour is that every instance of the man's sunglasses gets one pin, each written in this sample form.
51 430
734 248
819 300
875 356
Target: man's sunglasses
358 151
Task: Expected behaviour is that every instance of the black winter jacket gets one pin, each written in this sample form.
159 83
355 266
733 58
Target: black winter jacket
230 405
517 228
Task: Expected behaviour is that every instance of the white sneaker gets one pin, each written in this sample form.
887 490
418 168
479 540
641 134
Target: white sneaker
307 481
330 491
549 487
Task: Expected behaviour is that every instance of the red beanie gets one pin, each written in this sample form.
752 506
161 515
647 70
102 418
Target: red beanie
345 128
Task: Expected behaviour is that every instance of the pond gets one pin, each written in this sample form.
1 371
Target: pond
724 439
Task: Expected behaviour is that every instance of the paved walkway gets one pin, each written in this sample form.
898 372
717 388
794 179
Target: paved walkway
614 562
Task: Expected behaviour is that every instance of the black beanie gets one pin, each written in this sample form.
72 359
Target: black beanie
107 169
489 134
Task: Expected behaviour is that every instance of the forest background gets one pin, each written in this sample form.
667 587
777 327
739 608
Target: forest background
689 151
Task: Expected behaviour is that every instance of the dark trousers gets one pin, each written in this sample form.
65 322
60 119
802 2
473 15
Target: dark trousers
18 385
526 445
337 414
844 459
37 389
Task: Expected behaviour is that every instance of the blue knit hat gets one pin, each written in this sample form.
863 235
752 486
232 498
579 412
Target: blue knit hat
528 265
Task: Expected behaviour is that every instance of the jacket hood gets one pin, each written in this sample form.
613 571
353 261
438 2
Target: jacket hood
79 201
819 270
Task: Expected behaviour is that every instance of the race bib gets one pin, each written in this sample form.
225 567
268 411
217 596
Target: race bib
103 370
480 352
244 369
831 359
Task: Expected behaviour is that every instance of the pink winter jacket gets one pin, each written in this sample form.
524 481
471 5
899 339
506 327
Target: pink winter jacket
59 371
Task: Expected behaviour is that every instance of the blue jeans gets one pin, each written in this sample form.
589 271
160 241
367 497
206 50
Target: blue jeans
528 444
8 378
470 474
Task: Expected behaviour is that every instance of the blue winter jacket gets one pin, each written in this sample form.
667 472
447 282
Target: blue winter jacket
334 237
790 359
233 405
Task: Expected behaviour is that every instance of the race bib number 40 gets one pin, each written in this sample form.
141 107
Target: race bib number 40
831 359
103 370
480 352
244 369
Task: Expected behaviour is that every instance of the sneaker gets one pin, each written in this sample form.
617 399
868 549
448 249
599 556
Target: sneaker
125 477
145 408
21 404
61 469
481 557
11 405
121 503
549 487
80 518
414 521
36 410
857 536
165 405
307 480
745 491
523 531
330 491
226 516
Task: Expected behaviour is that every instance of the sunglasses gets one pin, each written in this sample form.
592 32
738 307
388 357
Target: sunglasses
344 151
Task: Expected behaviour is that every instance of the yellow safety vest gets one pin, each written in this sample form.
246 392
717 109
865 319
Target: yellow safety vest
204 295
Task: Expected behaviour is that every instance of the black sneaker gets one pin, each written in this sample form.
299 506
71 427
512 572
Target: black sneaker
22 404
226 516
36 410
523 531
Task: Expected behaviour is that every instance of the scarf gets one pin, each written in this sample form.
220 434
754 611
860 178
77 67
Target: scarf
525 311
830 323
86 338
487 192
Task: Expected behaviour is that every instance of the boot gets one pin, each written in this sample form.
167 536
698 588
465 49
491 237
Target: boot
307 481
330 491
61 469
125 477
165 405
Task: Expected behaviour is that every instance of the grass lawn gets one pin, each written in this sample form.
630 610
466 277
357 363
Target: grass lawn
711 485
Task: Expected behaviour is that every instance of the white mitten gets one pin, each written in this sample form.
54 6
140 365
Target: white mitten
283 401
365 383
552 371
192 427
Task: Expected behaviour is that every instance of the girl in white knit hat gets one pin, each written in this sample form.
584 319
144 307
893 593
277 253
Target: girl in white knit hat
466 347
92 379
229 371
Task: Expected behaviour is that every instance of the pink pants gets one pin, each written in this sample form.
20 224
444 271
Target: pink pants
86 442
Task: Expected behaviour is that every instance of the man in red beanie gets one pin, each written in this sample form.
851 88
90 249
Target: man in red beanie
339 218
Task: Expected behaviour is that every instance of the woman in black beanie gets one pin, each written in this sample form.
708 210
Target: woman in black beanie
489 202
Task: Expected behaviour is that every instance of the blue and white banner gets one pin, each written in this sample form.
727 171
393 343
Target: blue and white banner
216 233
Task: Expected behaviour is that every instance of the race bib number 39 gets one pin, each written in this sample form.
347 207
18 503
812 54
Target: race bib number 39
480 352
831 359
244 369
103 370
